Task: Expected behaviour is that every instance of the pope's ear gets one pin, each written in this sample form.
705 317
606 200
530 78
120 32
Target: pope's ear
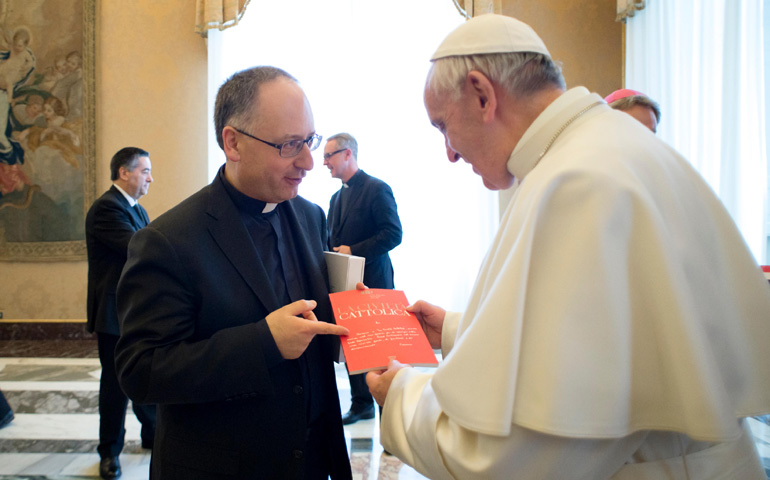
230 143
483 92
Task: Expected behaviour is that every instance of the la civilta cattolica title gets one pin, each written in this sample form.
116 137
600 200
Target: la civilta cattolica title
372 310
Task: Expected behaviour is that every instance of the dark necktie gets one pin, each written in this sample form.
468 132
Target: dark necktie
143 220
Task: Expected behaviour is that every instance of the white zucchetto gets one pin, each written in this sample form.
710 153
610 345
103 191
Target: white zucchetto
490 33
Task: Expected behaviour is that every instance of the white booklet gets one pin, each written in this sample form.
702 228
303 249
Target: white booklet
344 271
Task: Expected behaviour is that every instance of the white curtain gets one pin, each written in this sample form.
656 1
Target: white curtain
705 63
363 68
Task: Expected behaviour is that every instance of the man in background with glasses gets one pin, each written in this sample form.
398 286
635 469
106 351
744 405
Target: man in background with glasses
363 221
224 302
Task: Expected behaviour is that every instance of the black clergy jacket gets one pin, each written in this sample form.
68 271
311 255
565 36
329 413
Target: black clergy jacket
110 224
369 225
192 300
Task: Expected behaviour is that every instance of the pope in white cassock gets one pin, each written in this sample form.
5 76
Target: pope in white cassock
618 327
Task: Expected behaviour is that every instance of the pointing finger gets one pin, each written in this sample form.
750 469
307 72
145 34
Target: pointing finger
323 328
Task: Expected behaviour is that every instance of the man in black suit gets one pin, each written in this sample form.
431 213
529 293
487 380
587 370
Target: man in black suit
6 412
110 223
363 221
224 300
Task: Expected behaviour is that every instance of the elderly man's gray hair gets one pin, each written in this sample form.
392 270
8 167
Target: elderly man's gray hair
520 73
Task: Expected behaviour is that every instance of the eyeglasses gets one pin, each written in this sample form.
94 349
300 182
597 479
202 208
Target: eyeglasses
329 155
290 148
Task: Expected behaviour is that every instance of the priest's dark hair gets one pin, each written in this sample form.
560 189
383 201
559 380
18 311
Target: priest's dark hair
127 158
235 100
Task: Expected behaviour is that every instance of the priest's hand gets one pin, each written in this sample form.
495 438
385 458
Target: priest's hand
294 326
379 381
343 249
431 318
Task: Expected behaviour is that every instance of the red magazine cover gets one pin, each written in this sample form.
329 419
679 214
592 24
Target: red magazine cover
380 329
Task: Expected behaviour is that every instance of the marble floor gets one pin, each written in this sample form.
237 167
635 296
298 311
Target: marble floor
55 432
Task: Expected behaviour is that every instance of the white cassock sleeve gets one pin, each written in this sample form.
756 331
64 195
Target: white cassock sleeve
449 331
416 430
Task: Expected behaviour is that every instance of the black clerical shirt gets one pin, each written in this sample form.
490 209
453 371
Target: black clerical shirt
270 233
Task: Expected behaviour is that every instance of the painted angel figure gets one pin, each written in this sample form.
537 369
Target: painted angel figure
16 65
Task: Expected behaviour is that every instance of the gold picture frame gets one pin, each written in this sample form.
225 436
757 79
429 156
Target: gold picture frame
47 145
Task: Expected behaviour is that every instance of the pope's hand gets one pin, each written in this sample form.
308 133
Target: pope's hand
379 381
294 326
431 318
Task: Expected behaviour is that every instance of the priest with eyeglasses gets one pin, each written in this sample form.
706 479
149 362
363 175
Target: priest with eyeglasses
224 304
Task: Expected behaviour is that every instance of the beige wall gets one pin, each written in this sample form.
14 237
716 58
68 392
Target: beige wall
583 35
150 93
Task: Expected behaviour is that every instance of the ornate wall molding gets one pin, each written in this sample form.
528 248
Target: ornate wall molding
628 8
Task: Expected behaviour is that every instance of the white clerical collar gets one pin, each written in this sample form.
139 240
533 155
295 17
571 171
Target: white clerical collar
131 200
269 207
546 127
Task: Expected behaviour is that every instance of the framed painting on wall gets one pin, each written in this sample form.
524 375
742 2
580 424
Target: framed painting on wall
47 143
